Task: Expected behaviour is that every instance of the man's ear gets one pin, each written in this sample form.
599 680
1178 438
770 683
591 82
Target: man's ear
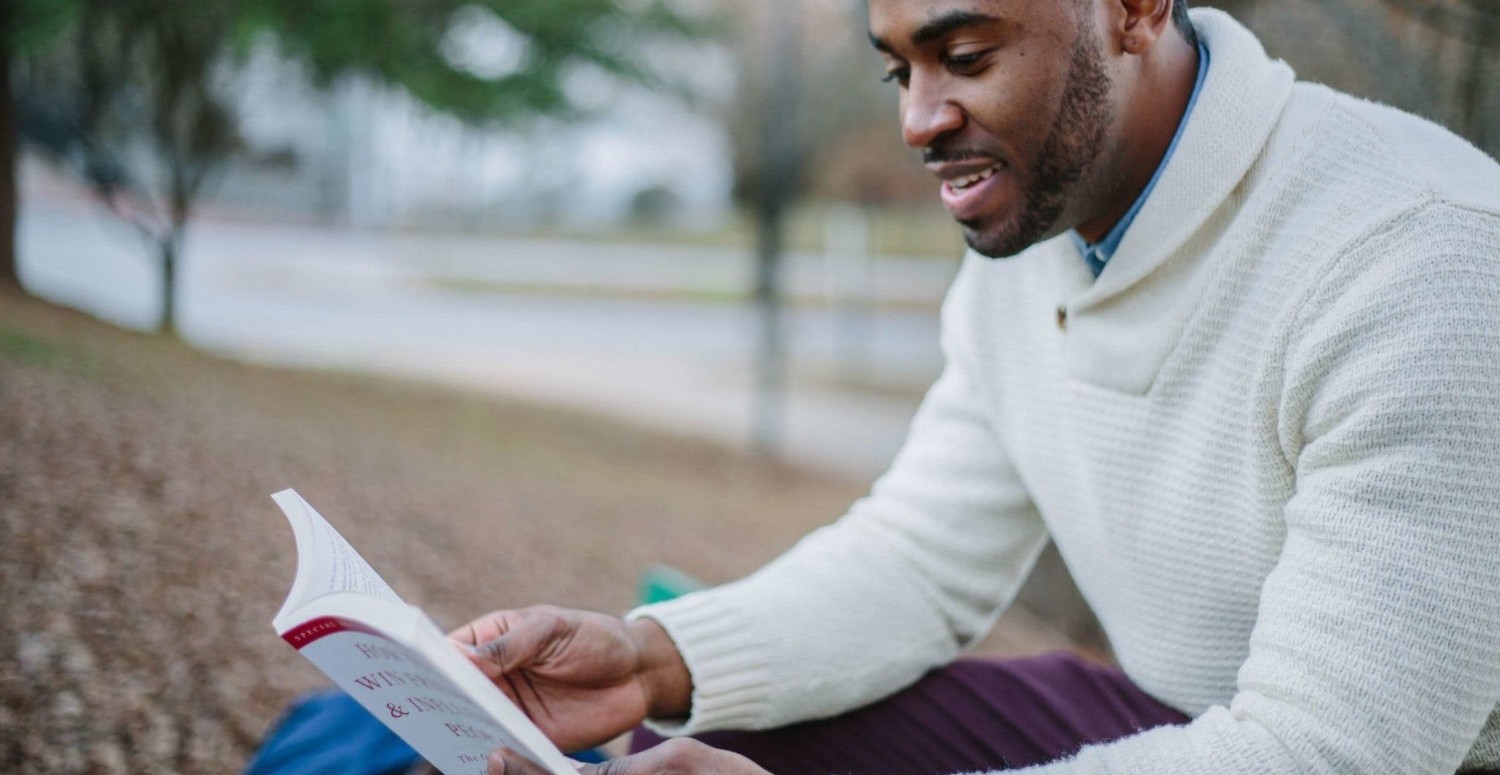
1136 25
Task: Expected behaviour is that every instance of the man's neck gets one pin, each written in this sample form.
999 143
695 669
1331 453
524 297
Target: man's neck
1150 117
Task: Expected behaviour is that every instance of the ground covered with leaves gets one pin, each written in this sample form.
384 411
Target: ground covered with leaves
141 559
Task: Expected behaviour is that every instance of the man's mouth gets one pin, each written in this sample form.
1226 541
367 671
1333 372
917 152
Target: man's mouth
967 187
963 182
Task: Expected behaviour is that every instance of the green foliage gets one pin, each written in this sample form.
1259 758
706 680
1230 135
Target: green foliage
400 42
33 25
403 42
148 66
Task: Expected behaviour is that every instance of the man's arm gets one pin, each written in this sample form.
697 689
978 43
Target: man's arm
862 608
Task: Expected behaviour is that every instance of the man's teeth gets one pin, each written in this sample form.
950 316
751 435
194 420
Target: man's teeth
969 180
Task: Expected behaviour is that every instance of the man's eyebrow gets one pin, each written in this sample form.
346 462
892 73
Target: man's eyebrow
938 27
950 22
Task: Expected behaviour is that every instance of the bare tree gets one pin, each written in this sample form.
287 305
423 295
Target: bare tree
775 190
139 66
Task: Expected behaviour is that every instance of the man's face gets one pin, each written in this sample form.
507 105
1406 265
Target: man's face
1009 102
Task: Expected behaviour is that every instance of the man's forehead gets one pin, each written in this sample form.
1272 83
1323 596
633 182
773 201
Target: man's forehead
920 11
896 22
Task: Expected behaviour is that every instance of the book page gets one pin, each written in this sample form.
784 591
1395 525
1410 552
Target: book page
326 563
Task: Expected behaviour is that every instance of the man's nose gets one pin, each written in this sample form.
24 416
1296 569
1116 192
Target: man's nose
927 114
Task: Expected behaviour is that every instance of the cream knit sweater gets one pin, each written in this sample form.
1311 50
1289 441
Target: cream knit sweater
1267 444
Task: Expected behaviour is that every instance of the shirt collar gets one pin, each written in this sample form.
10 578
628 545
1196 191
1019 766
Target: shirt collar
1096 255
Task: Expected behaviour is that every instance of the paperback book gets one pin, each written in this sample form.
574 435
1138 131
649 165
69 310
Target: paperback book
392 659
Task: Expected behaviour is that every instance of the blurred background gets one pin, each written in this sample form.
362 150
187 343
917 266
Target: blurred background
526 296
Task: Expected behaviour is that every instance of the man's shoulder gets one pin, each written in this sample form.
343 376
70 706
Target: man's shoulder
1372 208
1353 145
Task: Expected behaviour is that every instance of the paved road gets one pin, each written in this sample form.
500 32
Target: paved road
636 331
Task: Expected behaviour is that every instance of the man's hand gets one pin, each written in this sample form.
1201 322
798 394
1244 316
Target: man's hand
582 677
680 756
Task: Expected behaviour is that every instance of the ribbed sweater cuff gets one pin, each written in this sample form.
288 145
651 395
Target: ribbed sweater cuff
725 656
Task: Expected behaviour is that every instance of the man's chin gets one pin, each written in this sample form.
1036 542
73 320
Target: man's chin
993 242
1005 236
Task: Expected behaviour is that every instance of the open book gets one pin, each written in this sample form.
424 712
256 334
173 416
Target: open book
393 660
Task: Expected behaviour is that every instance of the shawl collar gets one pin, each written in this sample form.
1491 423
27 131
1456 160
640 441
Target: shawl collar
1119 340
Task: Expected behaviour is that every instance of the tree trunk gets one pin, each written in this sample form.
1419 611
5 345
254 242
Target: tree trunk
770 382
777 188
182 187
9 147
168 325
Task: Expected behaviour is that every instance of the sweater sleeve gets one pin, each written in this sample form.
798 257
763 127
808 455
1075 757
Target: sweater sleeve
865 606
1376 648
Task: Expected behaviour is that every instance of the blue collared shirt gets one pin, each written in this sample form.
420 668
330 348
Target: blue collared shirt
1099 253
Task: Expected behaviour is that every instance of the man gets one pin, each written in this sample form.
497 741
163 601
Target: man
1232 342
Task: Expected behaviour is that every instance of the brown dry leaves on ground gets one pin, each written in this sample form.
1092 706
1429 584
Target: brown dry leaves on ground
141 559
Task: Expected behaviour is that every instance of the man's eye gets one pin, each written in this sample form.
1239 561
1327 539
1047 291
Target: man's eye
900 75
960 64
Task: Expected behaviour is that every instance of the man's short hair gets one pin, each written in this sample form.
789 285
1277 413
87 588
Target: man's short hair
1181 21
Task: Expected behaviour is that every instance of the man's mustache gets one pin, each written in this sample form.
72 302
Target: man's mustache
938 155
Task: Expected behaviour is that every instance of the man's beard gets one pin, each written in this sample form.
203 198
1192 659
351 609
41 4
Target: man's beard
1066 157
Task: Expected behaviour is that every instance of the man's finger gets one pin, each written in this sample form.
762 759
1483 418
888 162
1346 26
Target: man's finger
505 640
488 627
525 638
508 652
504 761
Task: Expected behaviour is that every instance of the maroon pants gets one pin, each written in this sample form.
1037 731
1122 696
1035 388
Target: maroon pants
971 715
